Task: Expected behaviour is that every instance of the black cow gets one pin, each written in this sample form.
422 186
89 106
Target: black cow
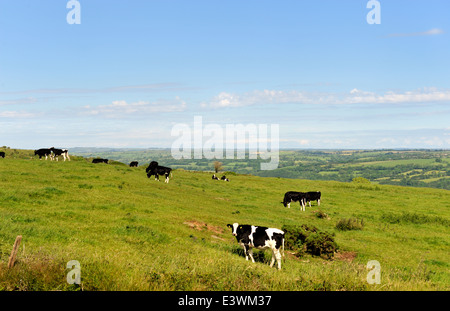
154 169
134 164
215 177
100 161
2 154
43 152
250 237
294 196
313 196
224 178
58 152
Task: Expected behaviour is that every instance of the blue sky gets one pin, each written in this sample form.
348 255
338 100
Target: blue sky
133 69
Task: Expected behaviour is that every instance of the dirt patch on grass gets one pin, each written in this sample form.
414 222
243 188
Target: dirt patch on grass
198 225
345 256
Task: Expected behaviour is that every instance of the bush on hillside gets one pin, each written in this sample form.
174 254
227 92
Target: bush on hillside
321 214
361 180
321 244
350 224
308 239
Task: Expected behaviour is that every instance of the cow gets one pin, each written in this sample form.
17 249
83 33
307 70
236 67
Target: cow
214 177
100 161
134 164
224 178
43 152
2 154
155 169
294 196
312 196
58 152
250 237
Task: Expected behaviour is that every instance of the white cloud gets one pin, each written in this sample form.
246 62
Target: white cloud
120 108
256 97
17 114
417 96
355 96
18 101
431 32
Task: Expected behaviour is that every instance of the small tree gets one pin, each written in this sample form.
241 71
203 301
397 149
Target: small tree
217 166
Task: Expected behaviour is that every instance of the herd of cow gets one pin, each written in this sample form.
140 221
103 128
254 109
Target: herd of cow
248 236
53 153
152 170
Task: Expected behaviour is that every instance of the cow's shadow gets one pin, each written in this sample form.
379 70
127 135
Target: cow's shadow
258 255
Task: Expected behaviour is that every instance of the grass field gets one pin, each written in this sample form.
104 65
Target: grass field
133 233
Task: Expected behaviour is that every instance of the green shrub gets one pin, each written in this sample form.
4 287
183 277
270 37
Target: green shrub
295 237
350 224
308 239
321 214
321 244
361 180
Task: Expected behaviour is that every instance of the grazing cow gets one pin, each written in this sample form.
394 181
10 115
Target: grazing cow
312 196
215 177
58 152
100 161
2 154
250 237
294 196
224 178
43 153
154 169
134 164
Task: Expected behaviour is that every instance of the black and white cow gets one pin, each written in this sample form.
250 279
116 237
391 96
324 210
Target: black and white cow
155 169
43 152
294 196
224 178
214 177
100 161
2 154
250 237
134 164
58 152
313 196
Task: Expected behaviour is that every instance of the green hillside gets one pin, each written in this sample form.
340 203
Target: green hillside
415 168
133 233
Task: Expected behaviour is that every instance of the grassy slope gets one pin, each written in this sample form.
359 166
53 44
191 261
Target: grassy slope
133 233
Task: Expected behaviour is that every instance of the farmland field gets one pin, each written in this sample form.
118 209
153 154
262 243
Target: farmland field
129 232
